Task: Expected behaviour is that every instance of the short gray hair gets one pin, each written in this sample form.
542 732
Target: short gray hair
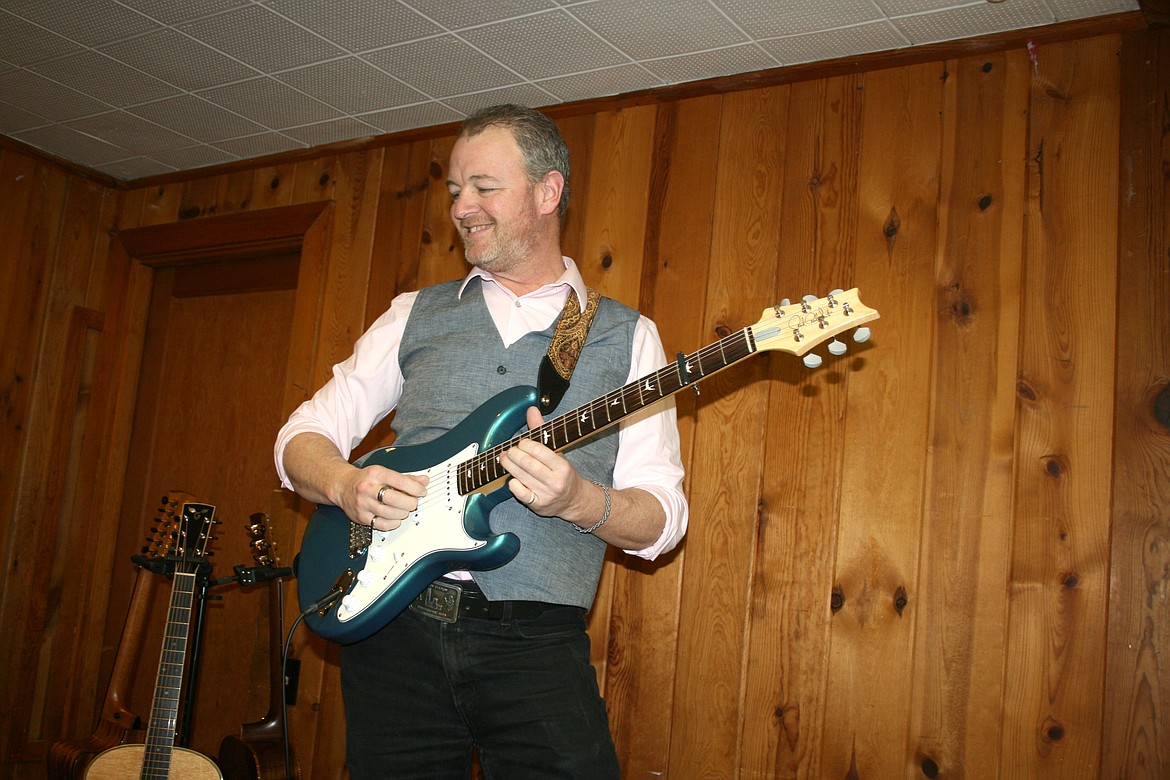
538 137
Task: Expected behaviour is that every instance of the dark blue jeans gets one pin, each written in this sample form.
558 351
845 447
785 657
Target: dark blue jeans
421 693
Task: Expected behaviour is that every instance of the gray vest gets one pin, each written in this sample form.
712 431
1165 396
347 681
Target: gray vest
452 361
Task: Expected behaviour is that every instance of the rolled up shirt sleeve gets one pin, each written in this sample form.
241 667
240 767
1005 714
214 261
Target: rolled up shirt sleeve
363 389
649 455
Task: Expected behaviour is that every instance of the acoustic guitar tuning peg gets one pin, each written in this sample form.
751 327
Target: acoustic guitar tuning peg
809 298
861 335
785 302
837 347
813 360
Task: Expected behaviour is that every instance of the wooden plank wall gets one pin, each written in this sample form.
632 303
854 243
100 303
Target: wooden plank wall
946 554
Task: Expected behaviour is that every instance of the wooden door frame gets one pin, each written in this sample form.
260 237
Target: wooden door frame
134 257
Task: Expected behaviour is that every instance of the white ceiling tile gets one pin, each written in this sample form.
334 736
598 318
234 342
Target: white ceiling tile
178 59
258 145
679 27
46 98
14 118
195 117
176 11
26 43
129 132
521 94
441 67
423 115
193 157
270 103
1081 9
255 35
351 85
461 14
104 78
91 23
907 7
134 168
578 49
70 144
365 24
711 64
611 81
812 47
971 20
342 129
773 18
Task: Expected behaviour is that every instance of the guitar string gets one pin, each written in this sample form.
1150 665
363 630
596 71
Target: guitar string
489 458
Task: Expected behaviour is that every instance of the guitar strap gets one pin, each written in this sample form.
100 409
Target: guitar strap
569 338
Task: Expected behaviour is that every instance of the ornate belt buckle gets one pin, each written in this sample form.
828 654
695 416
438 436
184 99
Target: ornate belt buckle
439 601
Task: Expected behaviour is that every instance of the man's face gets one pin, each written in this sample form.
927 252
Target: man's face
493 205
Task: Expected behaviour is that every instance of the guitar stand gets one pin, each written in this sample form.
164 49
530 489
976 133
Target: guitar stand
166 567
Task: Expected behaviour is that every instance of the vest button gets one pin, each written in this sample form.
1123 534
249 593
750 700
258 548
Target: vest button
501 370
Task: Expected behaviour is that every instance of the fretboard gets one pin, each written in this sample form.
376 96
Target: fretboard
160 732
600 413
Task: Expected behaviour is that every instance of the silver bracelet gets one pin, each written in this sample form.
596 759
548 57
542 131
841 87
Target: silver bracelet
604 517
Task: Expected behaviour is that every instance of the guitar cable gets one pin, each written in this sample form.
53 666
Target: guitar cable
325 602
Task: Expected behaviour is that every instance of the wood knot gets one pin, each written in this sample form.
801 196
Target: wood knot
1161 407
1070 581
837 599
985 203
987 66
929 767
274 183
900 600
606 260
1054 467
1054 733
426 237
323 180
892 224
1025 391
436 170
189 212
722 331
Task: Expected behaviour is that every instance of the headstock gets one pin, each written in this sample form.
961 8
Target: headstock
166 524
263 546
798 327
194 535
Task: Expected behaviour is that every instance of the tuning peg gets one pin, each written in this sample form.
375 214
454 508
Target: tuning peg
838 291
861 335
813 360
809 298
785 302
837 347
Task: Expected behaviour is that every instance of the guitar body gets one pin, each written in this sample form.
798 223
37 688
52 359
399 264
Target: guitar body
254 760
449 531
125 761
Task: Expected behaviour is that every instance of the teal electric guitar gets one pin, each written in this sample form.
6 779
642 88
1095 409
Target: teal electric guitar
352 580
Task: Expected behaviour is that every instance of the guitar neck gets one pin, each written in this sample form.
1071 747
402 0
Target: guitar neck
160 732
600 413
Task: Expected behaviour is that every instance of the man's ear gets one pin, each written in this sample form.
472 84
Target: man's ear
549 192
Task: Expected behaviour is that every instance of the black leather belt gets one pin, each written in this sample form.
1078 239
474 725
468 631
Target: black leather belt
449 601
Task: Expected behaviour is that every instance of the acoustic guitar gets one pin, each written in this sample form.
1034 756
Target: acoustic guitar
259 752
159 758
372 576
68 758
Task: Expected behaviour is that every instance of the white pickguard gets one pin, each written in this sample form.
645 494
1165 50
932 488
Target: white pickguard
437 525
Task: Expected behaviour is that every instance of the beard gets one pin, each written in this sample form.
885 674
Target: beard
510 245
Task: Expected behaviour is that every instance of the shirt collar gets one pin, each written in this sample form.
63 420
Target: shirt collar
570 278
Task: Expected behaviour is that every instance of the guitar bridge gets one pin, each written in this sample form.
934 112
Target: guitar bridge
360 537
